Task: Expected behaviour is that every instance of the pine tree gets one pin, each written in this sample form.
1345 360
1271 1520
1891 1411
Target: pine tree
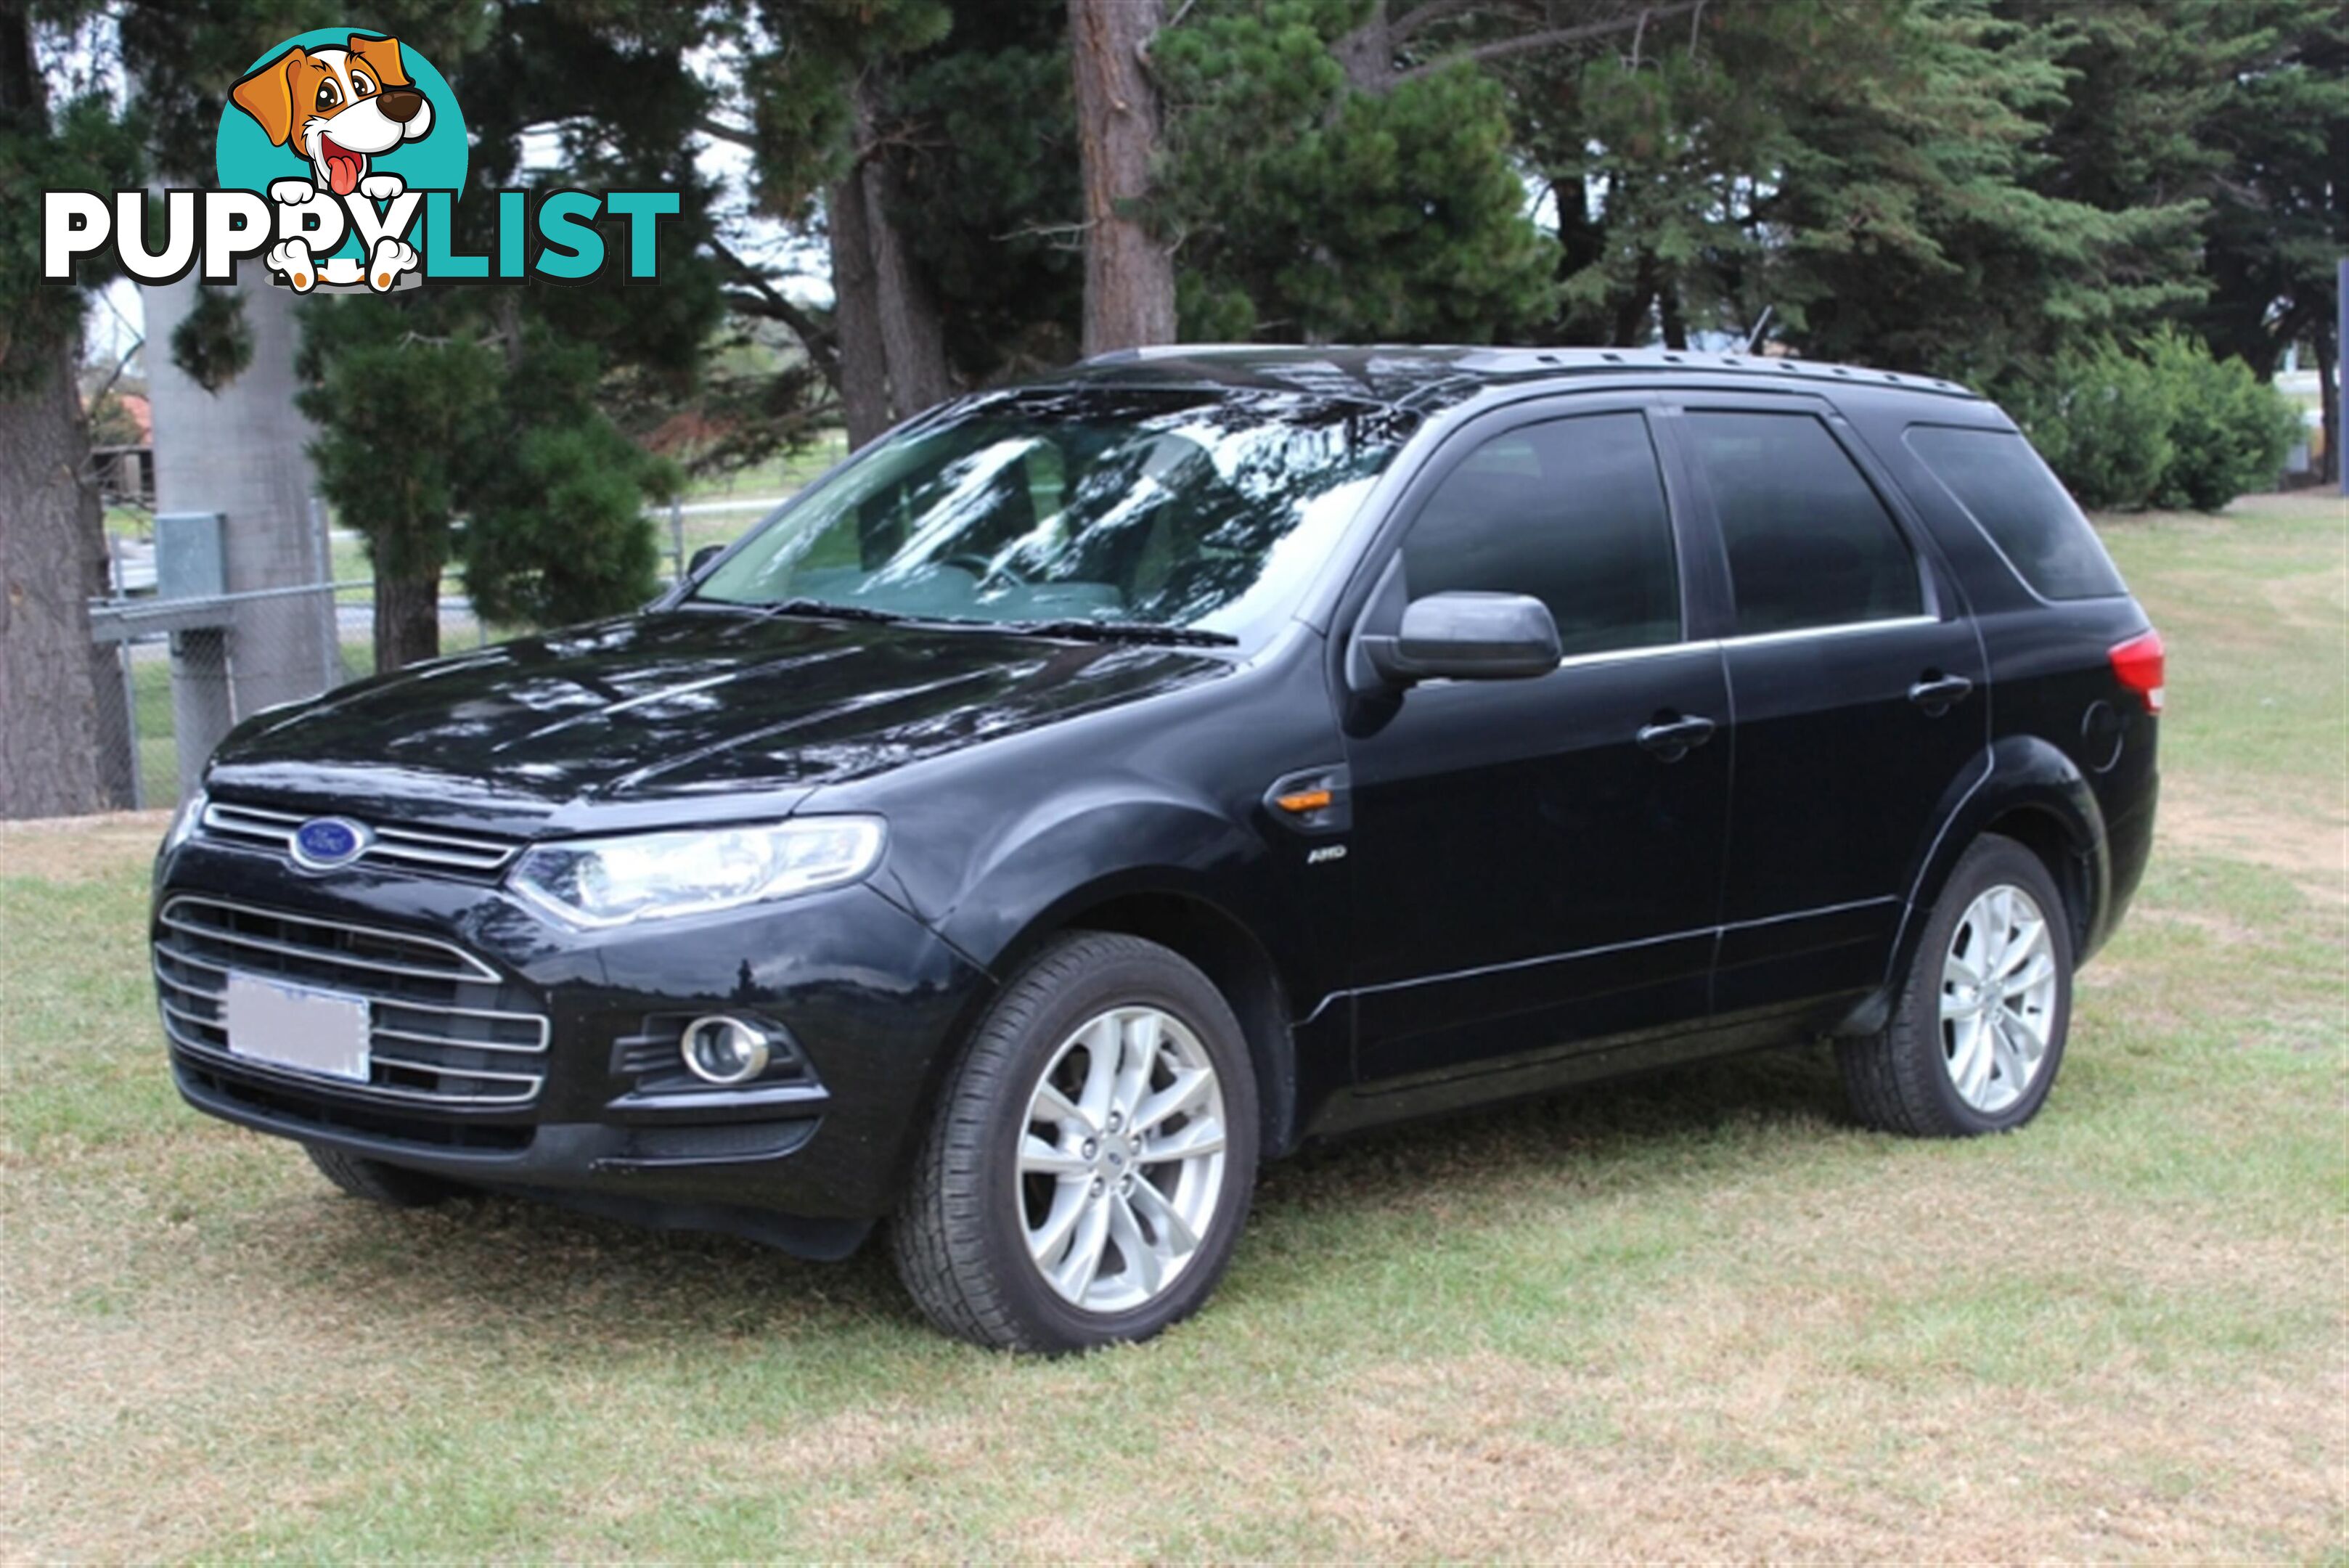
987 170
1917 234
1322 190
1655 155
2279 222
819 97
62 743
1129 266
503 404
222 372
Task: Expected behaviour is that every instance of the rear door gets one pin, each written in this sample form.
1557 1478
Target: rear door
1530 874
1857 695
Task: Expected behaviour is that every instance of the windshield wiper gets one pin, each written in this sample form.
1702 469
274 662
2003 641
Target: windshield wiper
793 608
1068 627
1123 631
827 610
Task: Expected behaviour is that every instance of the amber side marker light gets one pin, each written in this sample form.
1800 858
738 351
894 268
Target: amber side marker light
1303 800
2138 664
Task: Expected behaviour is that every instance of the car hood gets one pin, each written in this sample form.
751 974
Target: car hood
688 704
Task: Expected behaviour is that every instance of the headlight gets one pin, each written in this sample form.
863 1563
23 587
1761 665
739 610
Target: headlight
601 882
184 826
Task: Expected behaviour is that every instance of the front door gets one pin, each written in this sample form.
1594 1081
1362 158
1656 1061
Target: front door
1857 682
1537 862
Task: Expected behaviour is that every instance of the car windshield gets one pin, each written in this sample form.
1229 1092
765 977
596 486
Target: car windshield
1175 511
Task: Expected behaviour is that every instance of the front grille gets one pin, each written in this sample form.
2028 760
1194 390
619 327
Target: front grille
456 854
444 1029
282 1104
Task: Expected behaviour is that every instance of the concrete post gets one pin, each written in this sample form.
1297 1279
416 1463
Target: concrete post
122 660
202 706
322 570
240 452
189 565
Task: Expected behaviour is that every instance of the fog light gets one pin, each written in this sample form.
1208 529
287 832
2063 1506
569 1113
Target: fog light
724 1050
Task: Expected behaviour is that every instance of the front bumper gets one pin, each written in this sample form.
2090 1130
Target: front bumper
872 998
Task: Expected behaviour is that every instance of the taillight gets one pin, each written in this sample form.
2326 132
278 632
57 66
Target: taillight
2138 663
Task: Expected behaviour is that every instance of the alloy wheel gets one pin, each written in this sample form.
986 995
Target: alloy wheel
1998 998
1121 1159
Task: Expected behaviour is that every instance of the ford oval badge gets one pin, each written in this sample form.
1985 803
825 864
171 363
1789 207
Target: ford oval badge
324 843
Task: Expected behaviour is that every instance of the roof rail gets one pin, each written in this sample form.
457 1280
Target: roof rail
1175 350
1521 361
1474 360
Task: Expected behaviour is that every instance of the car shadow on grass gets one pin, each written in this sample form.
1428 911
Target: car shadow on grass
535 1279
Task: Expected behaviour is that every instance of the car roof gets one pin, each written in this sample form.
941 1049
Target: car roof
1427 377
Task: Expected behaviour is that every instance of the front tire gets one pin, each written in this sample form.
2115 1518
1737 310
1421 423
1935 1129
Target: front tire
1089 1168
393 1186
1978 1027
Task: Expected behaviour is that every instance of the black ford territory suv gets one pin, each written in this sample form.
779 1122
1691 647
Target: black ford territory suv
1099 787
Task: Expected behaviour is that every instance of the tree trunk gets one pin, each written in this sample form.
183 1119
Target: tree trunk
1668 305
1367 54
407 617
856 311
1630 328
913 337
1129 273
64 743
1582 243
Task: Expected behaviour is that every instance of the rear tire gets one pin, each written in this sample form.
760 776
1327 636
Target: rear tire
1089 1167
1978 1027
393 1186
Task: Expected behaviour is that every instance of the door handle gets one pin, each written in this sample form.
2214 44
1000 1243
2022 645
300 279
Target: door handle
1937 693
1673 738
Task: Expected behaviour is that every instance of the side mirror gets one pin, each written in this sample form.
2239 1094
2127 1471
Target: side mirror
1467 637
702 558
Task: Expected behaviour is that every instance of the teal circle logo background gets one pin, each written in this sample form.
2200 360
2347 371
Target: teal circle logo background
246 159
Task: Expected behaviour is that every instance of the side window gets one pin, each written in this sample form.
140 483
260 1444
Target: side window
1571 511
1809 542
2012 497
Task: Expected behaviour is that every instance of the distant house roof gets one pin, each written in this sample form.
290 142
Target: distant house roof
141 415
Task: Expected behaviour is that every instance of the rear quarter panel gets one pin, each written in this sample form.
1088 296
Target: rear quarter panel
2066 736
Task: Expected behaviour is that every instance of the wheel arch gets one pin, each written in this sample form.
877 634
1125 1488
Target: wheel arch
2054 842
1229 954
1203 932
2027 790
1181 885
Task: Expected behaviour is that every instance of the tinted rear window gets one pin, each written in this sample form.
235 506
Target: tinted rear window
2009 492
1809 543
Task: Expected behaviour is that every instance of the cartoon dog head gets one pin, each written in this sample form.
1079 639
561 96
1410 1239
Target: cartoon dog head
338 108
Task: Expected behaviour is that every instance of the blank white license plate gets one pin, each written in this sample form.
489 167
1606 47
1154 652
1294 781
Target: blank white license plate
297 1026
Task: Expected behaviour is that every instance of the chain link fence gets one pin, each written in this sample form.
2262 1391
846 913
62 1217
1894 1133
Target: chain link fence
194 664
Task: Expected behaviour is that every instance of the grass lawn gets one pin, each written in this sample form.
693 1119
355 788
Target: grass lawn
1700 1316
